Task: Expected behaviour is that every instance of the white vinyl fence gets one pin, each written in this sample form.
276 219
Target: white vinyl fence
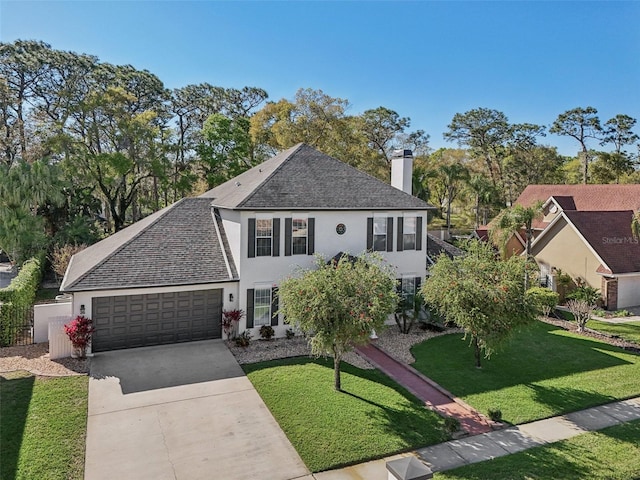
59 344
48 321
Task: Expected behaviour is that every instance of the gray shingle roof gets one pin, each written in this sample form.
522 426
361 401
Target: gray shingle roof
176 246
302 178
435 247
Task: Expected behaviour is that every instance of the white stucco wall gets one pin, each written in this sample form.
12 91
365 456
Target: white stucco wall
44 314
271 270
628 291
232 226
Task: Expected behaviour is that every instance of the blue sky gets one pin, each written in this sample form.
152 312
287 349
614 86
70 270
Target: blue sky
425 60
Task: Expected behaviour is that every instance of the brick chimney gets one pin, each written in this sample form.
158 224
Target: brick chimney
402 170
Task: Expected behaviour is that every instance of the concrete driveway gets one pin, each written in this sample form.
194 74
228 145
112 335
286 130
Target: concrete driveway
185 412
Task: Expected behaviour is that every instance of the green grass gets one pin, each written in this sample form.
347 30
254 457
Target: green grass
629 331
610 454
372 418
43 425
541 372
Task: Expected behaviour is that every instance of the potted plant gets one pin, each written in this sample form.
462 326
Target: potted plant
79 331
230 320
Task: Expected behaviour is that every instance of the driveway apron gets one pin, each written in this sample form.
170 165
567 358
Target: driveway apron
181 412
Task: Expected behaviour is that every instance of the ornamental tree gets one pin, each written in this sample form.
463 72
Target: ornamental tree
339 303
481 294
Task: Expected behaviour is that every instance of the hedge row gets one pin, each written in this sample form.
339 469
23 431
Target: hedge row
17 299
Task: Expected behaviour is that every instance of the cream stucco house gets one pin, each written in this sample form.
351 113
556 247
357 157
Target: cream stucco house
586 233
168 277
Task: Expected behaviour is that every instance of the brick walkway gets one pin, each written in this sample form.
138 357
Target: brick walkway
427 390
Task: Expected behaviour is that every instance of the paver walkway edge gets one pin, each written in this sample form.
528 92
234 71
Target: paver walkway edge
434 396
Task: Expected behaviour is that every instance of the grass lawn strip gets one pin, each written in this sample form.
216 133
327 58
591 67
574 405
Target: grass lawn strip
629 331
543 371
43 425
611 454
373 417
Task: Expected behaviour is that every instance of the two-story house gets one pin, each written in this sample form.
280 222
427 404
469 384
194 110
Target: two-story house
168 277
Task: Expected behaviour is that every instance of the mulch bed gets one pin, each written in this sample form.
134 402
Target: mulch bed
610 339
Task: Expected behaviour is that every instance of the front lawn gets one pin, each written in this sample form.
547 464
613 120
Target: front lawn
629 331
543 371
373 417
610 454
43 425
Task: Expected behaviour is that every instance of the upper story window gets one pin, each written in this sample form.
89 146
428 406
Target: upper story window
264 237
299 235
409 232
380 233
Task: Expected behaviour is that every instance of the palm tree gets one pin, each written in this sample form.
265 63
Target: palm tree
452 176
484 193
635 225
510 221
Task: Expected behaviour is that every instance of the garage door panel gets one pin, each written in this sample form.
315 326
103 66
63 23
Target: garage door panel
129 321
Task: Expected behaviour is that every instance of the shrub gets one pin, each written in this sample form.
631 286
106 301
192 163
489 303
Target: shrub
584 292
230 320
290 333
621 313
79 331
581 311
545 300
244 339
495 414
267 332
17 300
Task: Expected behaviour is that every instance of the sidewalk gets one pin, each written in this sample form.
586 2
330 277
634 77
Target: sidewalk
499 443
434 396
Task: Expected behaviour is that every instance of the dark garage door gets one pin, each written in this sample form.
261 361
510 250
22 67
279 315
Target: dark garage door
128 321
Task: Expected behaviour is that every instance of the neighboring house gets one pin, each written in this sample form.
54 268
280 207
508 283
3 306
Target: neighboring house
585 231
168 277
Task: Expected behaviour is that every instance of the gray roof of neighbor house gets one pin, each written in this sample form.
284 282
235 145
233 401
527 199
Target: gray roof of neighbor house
435 247
302 178
182 244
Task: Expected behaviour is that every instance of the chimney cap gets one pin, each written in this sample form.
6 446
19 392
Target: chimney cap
406 153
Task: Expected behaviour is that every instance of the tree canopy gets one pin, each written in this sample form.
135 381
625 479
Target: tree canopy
481 294
121 145
339 303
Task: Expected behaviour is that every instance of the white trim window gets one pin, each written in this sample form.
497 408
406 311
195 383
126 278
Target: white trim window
262 305
379 233
409 226
264 237
299 236
408 286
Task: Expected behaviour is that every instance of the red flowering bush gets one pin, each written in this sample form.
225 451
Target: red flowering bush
79 331
230 320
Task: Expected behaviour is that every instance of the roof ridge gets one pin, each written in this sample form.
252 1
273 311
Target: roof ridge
377 179
343 163
293 149
163 212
